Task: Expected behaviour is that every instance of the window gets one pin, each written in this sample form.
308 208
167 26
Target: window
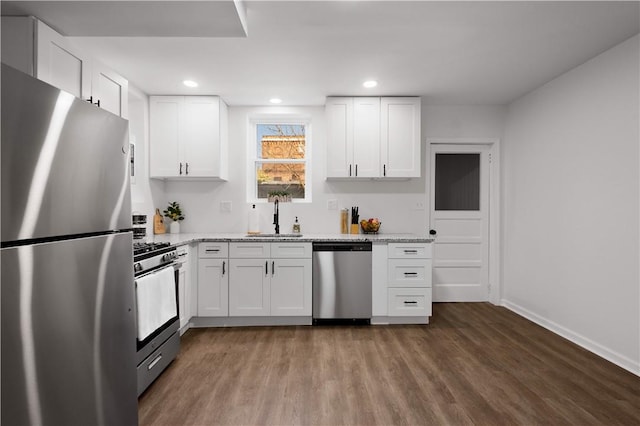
279 160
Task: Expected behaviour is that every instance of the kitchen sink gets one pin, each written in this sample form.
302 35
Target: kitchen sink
273 235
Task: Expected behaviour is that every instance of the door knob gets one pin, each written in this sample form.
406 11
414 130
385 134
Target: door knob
432 232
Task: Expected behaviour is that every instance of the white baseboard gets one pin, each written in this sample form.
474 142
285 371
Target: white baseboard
606 353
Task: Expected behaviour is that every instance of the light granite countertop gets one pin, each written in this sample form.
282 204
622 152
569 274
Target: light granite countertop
180 239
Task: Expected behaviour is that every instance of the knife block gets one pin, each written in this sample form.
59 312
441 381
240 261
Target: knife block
355 228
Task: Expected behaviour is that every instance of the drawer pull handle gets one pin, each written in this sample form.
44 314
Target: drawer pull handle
223 267
212 250
154 362
410 274
410 302
411 251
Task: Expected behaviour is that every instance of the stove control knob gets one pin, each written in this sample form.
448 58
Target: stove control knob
137 267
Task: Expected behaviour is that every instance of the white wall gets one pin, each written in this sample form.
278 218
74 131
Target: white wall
570 198
146 194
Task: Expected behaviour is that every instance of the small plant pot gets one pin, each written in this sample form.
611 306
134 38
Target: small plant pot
174 227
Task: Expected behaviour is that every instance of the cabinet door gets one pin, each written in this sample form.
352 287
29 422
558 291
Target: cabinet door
339 115
291 287
366 137
249 287
213 288
184 287
400 137
111 89
201 136
61 64
165 115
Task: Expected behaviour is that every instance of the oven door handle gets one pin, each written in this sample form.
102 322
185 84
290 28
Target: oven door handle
155 271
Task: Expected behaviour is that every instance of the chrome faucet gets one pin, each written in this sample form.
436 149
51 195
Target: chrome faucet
276 216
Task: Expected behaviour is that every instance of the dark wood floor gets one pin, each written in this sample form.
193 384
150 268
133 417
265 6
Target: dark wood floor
474 364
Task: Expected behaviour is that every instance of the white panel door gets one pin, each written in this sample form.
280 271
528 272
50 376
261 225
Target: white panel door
339 115
249 287
460 217
61 64
111 89
291 287
201 136
165 117
366 137
213 288
400 137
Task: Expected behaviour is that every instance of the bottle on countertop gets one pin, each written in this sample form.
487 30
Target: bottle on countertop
254 221
296 226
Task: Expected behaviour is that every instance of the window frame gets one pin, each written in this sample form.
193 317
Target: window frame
253 160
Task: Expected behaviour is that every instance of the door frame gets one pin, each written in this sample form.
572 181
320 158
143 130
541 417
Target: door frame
495 276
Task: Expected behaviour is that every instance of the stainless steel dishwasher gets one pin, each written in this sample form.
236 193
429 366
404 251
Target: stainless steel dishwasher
341 282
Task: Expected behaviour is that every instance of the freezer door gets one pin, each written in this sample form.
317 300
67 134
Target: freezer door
65 166
68 333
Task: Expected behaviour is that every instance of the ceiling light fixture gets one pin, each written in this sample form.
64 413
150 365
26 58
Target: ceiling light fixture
275 100
190 83
370 83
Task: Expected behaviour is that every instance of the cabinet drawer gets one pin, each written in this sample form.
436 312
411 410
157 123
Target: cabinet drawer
409 302
409 273
213 250
409 251
249 250
291 250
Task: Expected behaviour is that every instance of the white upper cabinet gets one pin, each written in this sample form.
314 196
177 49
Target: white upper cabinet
34 48
188 137
366 137
400 137
109 89
339 114
370 137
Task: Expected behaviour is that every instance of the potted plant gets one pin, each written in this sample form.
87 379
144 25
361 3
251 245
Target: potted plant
174 212
281 196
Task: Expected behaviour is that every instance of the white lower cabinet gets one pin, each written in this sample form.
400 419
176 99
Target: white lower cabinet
184 286
409 302
291 287
213 280
408 280
270 279
249 287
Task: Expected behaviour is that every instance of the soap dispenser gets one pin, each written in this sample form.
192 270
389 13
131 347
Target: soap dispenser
296 226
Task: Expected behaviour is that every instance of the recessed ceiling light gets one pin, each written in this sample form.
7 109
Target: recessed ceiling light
190 83
370 83
275 100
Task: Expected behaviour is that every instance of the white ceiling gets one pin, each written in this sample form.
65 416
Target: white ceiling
302 51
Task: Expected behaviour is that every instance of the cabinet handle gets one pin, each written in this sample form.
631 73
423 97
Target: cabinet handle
186 168
384 170
90 100
356 170
180 168
266 267
410 274
273 268
223 265
411 251
410 302
212 250
98 103
349 170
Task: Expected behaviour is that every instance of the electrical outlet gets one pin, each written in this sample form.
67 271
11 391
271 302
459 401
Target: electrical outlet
332 204
225 206
419 205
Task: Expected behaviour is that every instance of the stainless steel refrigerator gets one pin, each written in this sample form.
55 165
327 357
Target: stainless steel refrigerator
68 324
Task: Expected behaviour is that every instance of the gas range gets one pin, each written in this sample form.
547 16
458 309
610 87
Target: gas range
151 256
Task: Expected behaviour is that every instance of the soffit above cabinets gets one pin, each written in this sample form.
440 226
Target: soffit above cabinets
150 18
